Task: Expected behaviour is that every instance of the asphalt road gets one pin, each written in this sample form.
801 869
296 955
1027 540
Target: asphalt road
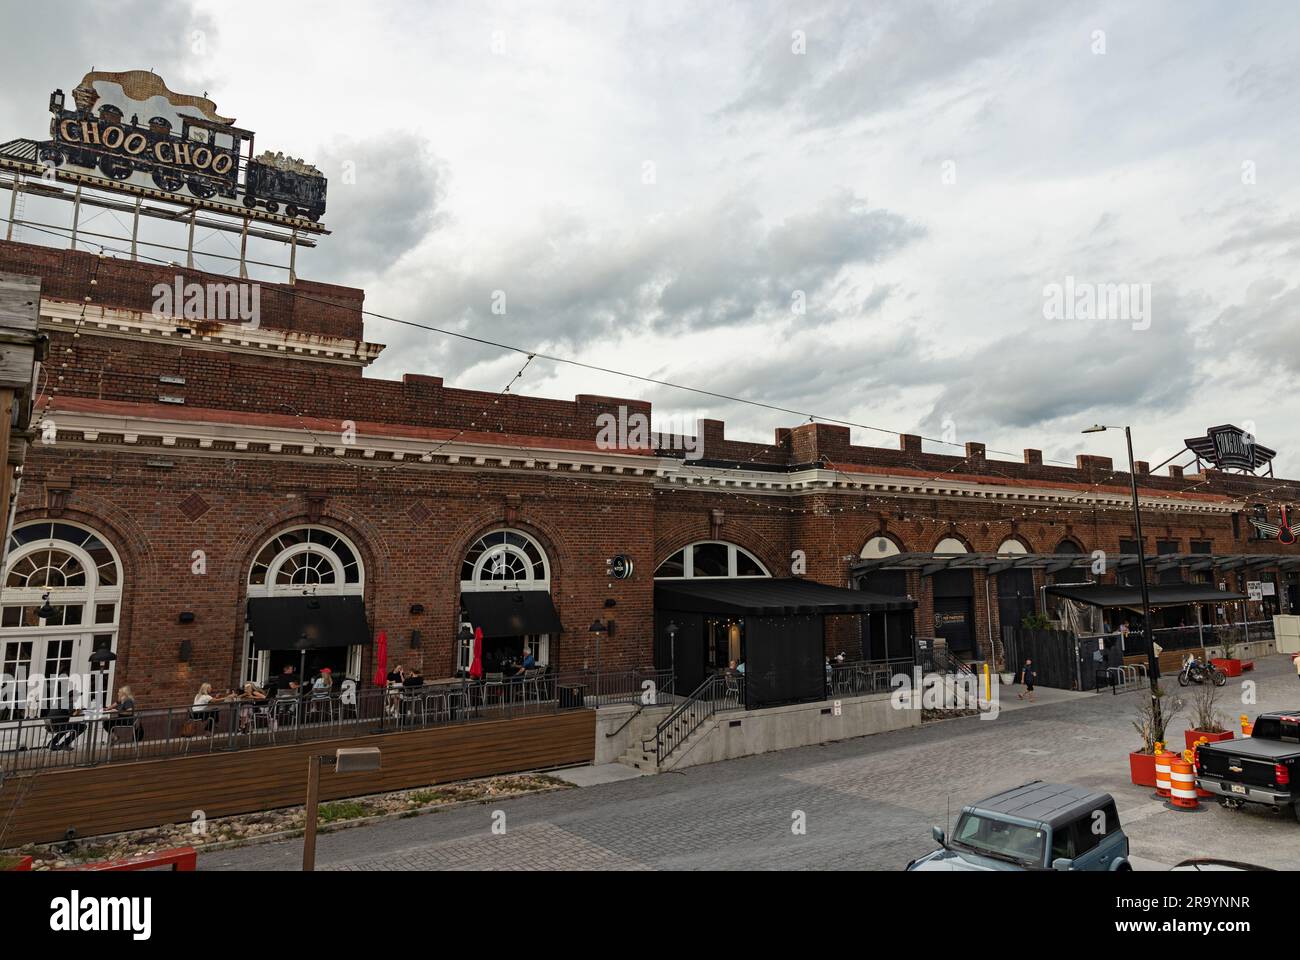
866 803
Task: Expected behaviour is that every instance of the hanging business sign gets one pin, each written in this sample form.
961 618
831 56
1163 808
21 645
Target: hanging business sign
128 132
1231 448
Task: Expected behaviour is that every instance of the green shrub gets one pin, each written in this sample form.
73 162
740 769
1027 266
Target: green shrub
341 810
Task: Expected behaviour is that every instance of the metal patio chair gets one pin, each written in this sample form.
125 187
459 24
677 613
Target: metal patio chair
497 682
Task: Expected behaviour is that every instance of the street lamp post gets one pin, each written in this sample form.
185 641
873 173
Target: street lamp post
1153 667
343 760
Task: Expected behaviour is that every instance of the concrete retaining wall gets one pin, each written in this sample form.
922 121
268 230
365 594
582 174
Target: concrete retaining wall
741 733
611 745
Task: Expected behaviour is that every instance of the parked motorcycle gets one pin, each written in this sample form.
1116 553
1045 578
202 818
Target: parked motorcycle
1194 671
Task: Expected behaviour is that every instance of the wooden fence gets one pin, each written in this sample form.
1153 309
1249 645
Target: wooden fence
141 794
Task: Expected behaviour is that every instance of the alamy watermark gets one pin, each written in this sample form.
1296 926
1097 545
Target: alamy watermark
631 430
235 302
1073 300
946 691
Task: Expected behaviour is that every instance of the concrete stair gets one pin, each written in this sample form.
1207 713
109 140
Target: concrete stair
644 759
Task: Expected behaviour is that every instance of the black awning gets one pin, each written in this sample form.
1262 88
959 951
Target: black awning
511 613
768 597
279 623
1166 595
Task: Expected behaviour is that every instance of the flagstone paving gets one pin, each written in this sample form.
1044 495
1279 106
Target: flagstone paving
865 803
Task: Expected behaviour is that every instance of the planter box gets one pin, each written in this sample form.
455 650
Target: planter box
1191 736
23 864
1142 769
1231 668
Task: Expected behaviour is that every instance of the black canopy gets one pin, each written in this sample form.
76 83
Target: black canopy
1166 595
770 597
279 623
511 613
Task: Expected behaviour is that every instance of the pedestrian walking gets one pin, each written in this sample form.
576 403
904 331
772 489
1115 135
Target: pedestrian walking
1027 677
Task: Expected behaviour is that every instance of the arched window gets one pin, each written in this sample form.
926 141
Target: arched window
311 560
75 571
951 545
710 558
879 547
306 558
505 560
1011 546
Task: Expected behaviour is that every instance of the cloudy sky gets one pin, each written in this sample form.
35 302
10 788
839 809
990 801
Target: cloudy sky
854 209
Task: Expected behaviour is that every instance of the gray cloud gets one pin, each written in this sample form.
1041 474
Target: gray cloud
53 45
716 267
386 195
860 61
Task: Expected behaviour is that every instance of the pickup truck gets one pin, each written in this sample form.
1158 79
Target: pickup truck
1262 768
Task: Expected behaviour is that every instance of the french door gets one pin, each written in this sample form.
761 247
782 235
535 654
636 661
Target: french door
40 669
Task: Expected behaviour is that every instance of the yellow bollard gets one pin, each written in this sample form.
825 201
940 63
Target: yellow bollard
988 688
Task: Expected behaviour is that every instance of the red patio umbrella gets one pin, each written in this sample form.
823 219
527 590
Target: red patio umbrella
476 665
381 659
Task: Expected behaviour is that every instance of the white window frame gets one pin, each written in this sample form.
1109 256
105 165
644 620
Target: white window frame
89 596
529 582
255 665
733 552
870 550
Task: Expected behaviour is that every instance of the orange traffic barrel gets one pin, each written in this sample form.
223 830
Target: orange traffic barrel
1182 784
1191 758
1163 760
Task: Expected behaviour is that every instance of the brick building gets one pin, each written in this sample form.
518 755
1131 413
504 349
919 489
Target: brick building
187 470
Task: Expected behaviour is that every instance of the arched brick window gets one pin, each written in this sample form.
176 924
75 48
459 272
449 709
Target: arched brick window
71 568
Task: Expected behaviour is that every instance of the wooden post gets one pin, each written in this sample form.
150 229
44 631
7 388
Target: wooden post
309 829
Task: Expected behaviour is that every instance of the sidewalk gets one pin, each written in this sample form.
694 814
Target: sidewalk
1008 699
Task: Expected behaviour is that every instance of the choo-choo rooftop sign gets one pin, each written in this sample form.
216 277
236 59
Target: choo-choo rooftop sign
128 133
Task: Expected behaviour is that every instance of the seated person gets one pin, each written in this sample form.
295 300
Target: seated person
397 674
528 663
124 708
204 709
251 694
413 678
287 680
59 720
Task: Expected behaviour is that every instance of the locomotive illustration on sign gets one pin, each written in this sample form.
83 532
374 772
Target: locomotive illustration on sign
132 130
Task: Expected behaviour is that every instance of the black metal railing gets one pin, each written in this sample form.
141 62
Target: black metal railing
664 695
863 677
718 692
1205 635
93 737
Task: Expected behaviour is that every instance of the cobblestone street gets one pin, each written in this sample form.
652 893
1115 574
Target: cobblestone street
869 803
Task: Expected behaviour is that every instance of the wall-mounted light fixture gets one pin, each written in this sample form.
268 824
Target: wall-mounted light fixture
417 608
186 617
